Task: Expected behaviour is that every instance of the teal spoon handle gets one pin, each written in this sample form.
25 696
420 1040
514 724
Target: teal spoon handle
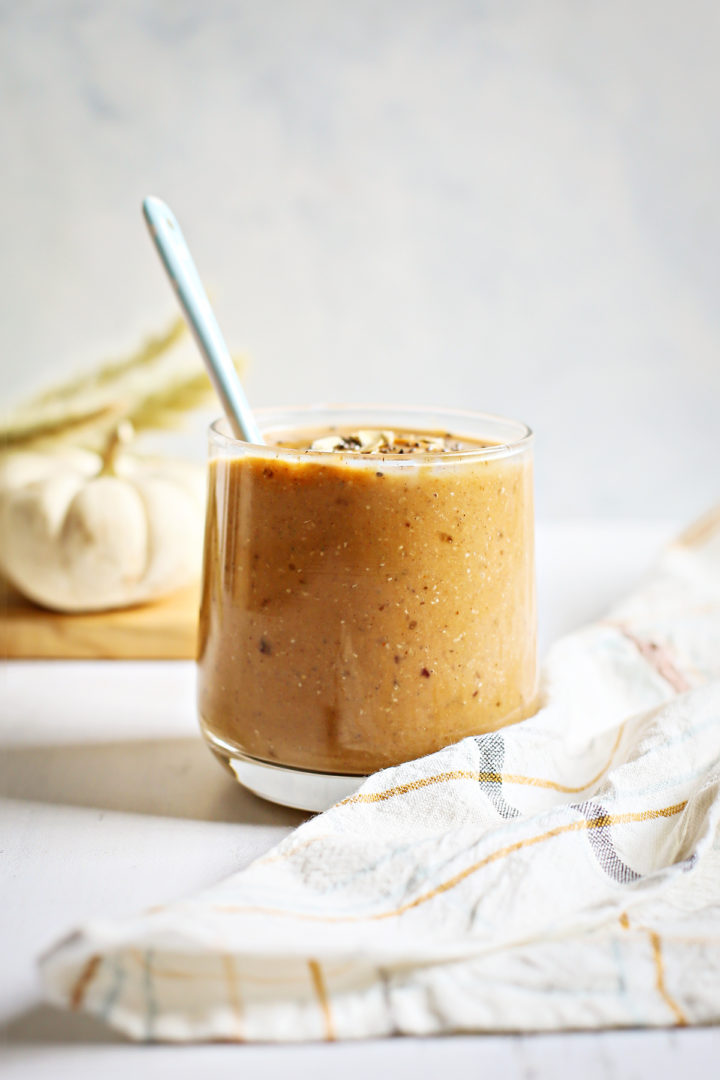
181 270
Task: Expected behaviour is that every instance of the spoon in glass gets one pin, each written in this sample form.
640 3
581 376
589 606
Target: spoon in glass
185 280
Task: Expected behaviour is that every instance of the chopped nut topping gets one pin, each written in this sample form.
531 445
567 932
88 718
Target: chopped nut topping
366 441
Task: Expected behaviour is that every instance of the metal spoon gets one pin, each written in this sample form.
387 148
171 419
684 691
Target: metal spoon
185 280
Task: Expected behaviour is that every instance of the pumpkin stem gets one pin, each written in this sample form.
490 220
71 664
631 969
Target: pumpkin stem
120 436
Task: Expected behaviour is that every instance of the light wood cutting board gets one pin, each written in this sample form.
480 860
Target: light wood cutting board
165 630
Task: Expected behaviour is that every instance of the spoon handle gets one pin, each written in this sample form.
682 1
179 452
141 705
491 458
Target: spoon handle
185 280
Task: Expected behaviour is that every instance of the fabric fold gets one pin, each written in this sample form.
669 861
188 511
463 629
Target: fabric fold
561 873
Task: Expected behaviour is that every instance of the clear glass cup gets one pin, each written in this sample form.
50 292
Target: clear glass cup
360 610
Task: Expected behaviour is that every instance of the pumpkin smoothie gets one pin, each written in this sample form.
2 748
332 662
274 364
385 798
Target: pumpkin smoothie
368 593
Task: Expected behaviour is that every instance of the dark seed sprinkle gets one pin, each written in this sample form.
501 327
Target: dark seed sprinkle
265 646
425 673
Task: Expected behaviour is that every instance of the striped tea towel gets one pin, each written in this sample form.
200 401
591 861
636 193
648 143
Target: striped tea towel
562 873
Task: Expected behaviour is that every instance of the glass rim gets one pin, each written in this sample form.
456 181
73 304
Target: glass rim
232 446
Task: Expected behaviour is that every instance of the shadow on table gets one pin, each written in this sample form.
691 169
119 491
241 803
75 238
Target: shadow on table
44 1024
175 778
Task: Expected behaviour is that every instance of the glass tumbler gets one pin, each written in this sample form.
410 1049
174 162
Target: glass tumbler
363 609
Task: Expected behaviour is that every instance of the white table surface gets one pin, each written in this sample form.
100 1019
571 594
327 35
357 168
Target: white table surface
109 802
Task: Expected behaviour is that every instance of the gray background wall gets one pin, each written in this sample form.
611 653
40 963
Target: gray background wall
507 205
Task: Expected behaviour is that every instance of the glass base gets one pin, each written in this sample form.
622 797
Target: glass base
298 788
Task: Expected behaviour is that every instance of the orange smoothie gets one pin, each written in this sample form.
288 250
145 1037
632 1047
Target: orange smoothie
368 597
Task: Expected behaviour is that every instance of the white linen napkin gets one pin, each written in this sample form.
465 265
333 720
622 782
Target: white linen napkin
562 873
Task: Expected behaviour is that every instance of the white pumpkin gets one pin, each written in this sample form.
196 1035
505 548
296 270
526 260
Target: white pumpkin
79 532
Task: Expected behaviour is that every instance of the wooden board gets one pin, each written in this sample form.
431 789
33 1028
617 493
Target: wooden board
165 630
